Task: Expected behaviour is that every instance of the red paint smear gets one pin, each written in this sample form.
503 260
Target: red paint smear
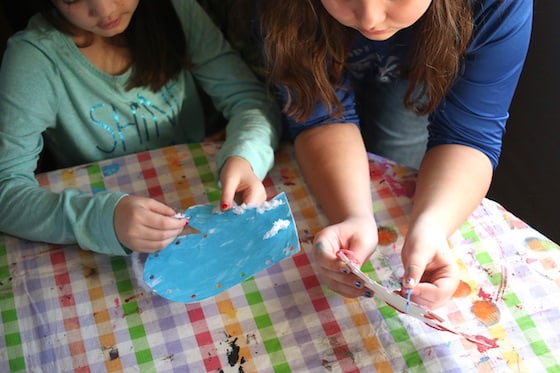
117 302
67 300
134 297
503 284
484 296
483 344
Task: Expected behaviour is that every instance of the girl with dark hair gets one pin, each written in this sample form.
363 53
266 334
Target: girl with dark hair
426 83
96 79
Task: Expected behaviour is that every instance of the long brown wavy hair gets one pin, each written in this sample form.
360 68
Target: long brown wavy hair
154 36
305 50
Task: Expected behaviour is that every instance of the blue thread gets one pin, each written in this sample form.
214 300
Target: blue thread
408 293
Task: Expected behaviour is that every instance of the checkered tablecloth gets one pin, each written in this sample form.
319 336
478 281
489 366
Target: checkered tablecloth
63 309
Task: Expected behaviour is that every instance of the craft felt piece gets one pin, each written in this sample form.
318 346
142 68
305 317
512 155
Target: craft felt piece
227 248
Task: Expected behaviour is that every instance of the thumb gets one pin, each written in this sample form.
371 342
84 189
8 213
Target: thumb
414 268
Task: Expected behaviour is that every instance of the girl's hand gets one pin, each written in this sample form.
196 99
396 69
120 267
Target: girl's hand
430 267
145 225
240 183
359 236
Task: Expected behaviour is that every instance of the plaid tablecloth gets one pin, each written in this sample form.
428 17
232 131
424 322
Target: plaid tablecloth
63 309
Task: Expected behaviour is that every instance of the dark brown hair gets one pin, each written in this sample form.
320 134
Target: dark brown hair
154 36
305 50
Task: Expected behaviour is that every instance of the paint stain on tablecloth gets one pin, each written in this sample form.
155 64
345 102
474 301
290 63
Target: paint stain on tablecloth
387 235
487 312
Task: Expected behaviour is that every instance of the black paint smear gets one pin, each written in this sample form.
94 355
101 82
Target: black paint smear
233 355
114 353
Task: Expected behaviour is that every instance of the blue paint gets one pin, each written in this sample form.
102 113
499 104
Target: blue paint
110 169
230 248
483 360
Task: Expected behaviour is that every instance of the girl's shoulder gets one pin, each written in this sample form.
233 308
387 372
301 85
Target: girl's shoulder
499 20
41 34
38 28
503 10
182 7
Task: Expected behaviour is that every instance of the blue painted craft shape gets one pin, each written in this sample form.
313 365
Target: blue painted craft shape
227 248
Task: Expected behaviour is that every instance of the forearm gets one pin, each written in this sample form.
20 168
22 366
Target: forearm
452 181
69 217
334 163
252 135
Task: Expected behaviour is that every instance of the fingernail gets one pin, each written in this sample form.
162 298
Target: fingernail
358 284
224 206
410 281
186 223
368 294
345 270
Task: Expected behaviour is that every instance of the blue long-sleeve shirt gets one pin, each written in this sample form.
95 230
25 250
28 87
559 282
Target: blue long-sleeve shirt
475 110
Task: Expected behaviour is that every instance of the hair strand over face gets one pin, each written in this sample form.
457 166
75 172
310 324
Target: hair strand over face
154 36
305 49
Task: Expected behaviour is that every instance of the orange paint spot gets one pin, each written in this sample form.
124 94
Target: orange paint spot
537 244
462 290
548 263
486 311
387 235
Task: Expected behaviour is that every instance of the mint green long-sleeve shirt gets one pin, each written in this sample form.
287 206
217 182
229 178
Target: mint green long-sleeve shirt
48 87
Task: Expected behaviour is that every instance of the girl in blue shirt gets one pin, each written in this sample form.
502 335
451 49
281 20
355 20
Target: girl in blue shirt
97 79
427 83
